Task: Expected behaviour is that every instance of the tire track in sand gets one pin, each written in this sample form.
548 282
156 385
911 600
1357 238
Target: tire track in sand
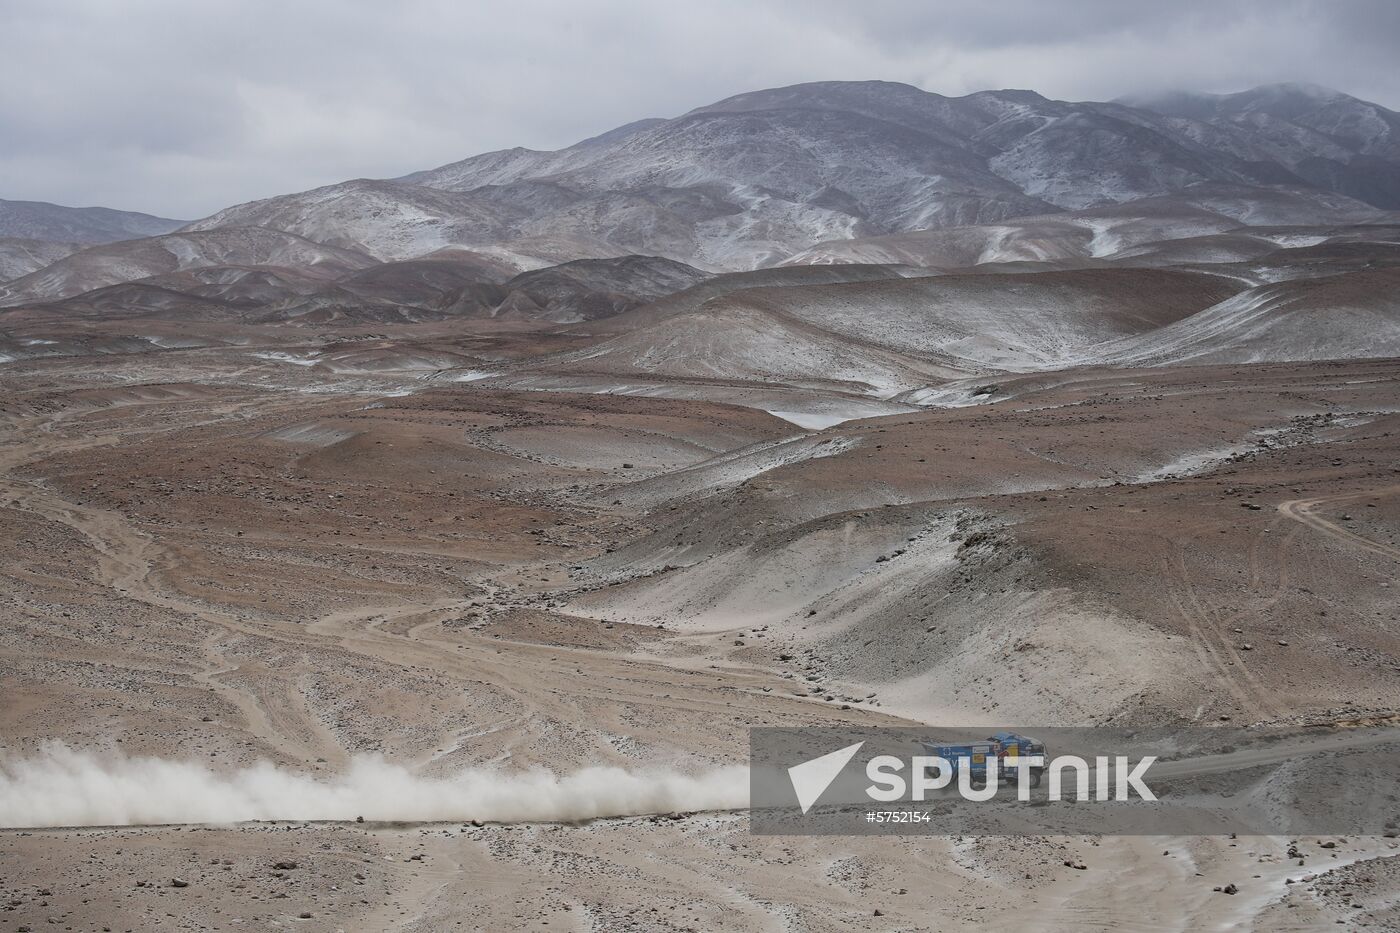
1302 510
126 562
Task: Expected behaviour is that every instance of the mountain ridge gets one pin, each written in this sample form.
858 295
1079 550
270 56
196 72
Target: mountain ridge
755 178
41 220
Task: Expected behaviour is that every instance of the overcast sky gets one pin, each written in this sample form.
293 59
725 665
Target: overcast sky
180 107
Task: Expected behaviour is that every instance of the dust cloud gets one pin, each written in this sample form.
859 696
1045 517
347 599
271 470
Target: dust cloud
61 786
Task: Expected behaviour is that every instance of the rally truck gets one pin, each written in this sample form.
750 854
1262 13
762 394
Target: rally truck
1005 747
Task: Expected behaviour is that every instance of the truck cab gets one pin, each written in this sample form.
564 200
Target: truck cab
1006 747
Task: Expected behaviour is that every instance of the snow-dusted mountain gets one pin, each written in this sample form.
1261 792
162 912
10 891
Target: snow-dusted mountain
133 260
1109 231
20 256
39 220
754 179
1328 139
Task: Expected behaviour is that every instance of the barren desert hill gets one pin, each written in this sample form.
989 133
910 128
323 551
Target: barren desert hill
689 299
444 289
589 289
903 331
1352 315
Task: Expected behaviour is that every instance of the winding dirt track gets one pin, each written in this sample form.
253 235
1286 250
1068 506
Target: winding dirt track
126 562
602 686
1303 510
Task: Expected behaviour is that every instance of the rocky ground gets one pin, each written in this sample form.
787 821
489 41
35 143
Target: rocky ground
227 557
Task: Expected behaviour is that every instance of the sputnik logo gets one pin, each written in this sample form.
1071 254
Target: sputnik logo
811 778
